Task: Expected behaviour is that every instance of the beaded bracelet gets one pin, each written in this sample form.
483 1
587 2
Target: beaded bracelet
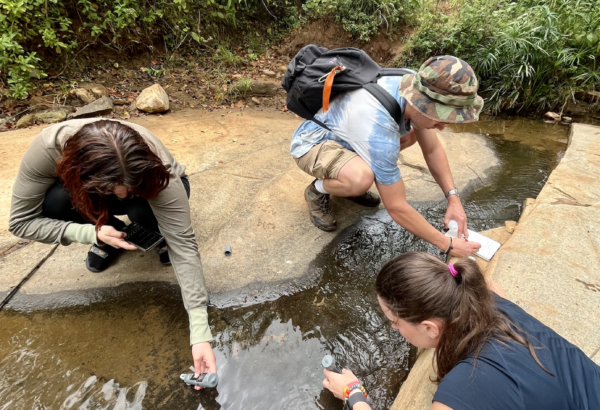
350 387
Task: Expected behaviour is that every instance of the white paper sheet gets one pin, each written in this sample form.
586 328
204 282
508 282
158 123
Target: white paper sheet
489 247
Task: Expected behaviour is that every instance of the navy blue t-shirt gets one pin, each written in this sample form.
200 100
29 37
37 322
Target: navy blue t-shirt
507 377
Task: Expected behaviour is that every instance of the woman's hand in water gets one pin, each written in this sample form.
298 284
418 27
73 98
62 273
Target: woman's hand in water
335 382
204 359
110 236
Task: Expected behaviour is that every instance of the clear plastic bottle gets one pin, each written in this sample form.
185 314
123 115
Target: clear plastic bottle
452 229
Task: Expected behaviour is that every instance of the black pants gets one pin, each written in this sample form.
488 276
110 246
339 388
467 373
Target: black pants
57 205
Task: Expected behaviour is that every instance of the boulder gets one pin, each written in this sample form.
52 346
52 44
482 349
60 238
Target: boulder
153 99
47 117
577 107
263 88
26 121
51 117
98 90
84 95
101 106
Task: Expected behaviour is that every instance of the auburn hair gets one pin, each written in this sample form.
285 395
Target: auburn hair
102 155
417 286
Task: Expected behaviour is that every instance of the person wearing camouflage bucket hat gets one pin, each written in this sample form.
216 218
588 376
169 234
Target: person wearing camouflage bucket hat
356 143
444 90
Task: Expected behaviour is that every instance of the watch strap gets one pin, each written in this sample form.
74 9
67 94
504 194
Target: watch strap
356 398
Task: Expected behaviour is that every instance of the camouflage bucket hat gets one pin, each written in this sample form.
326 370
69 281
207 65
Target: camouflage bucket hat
444 89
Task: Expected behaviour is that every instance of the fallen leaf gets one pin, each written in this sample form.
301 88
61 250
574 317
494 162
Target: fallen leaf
166 86
154 62
191 106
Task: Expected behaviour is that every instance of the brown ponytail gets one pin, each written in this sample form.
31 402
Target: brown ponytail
417 286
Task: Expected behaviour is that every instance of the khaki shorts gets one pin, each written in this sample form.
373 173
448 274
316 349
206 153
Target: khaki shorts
325 160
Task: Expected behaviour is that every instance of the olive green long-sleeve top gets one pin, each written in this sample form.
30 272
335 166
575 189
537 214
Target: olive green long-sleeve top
38 171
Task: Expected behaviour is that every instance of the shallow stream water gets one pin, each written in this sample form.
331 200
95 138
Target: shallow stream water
127 351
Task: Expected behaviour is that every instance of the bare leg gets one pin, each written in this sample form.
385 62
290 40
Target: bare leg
354 179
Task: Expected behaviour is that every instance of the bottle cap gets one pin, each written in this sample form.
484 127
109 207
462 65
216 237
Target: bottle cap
328 362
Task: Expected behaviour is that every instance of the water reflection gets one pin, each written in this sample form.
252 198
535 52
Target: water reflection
127 351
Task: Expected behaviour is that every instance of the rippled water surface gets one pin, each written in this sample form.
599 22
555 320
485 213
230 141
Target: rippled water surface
127 351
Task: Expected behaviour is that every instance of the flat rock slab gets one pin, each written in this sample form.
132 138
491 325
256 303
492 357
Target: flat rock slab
246 193
551 265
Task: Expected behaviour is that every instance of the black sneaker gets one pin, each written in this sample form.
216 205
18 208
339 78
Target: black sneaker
163 254
100 257
369 199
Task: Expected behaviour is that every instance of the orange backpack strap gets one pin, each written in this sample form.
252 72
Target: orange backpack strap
328 85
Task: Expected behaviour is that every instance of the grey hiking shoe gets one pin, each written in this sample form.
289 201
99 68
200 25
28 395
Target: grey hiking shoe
367 199
319 209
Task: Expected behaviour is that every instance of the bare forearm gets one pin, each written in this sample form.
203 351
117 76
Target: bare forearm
437 162
411 220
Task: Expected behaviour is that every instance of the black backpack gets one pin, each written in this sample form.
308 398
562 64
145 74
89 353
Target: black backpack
317 74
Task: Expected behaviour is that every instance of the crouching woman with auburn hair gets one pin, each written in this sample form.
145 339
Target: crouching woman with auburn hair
77 175
490 354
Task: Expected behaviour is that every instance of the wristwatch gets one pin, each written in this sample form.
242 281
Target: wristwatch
452 192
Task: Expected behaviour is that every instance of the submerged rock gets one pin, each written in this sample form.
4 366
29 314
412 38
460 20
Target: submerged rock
153 99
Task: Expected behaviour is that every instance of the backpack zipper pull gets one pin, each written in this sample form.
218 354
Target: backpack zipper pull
337 69
329 85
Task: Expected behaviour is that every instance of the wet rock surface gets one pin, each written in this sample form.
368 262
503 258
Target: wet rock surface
139 330
247 193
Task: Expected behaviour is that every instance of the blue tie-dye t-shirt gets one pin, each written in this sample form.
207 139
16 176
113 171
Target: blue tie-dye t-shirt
360 123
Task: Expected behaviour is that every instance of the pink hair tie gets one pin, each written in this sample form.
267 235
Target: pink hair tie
453 271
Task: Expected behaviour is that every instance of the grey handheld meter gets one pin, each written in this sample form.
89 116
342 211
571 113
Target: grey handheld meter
203 380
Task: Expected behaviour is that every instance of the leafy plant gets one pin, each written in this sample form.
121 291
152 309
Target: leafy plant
241 88
226 57
365 18
155 72
530 55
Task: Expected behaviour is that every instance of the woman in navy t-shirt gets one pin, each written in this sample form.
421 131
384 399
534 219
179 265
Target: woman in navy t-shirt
490 353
